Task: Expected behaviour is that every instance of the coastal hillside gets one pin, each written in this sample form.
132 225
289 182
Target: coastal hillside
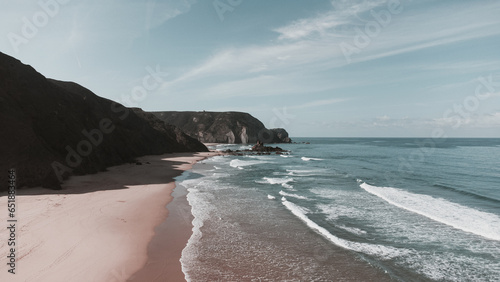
52 129
224 127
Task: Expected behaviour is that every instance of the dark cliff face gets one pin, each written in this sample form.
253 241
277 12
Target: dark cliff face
51 129
280 135
224 127
184 143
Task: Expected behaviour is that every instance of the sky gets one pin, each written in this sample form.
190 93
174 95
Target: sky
320 68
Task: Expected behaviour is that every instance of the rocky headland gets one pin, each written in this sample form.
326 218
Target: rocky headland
224 127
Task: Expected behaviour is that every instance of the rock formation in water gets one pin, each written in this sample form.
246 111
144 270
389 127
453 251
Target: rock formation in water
261 148
51 129
224 127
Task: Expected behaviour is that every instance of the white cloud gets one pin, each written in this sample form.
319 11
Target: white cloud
312 44
285 58
491 120
324 24
383 118
306 27
395 44
158 12
264 85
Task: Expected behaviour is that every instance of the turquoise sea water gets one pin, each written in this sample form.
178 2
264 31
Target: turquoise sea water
348 208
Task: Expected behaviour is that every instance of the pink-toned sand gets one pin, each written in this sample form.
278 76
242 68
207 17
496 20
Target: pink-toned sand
99 227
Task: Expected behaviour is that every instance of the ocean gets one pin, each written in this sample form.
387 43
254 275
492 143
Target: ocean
347 209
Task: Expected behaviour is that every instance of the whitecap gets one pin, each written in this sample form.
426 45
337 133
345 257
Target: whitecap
383 252
307 172
284 182
306 159
241 163
460 217
293 195
353 230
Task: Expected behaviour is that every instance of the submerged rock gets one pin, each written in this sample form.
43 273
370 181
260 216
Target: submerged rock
257 149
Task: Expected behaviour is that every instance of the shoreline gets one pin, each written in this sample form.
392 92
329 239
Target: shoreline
236 223
164 250
100 226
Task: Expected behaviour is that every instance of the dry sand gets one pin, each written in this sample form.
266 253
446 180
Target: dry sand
99 227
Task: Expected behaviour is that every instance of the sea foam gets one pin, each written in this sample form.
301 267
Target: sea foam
307 172
292 195
281 181
306 159
383 252
460 217
241 163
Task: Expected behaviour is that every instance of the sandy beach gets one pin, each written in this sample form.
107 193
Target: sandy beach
99 227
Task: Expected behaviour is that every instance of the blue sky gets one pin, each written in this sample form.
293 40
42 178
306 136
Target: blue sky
318 68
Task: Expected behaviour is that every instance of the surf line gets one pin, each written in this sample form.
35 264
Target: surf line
479 223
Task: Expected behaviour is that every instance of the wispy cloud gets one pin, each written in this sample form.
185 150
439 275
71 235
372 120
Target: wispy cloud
158 12
431 47
263 85
325 23
254 60
470 84
491 120
393 44
306 27
312 44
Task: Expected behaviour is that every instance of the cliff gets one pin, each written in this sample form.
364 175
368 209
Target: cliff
52 129
280 135
224 127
